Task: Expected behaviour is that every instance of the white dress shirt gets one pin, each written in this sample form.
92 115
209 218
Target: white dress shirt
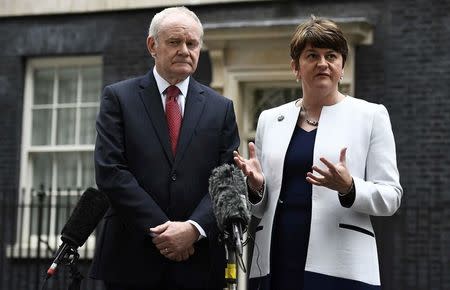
183 87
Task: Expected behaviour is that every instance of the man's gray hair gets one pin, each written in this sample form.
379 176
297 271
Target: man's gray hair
155 25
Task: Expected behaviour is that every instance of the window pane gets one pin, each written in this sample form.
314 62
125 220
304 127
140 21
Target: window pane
67 92
41 127
42 170
87 125
66 164
91 81
266 98
43 86
65 133
40 210
88 174
344 88
65 203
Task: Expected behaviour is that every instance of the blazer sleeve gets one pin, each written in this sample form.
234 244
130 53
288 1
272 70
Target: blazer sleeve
380 193
203 213
113 176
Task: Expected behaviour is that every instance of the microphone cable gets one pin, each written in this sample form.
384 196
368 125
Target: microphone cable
44 285
258 255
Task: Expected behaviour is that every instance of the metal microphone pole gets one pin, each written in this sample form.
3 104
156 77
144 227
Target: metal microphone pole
230 270
233 251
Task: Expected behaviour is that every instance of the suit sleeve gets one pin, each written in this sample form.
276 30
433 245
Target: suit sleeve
203 214
113 176
380 193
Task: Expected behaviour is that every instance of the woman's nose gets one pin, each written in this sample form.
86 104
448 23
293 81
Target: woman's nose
322 61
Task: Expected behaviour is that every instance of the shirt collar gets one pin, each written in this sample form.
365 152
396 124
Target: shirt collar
163 84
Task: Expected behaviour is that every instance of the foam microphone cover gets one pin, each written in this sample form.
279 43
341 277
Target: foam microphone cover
85 216
229 196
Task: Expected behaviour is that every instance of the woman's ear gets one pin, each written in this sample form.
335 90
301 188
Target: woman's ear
342 75
295 69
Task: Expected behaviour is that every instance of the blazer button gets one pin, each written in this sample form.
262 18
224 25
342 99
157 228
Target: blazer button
174 177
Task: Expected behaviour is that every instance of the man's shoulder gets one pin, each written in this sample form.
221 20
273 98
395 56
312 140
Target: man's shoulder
130 82
210 93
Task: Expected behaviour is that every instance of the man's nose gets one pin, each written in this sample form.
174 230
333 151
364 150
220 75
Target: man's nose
183 49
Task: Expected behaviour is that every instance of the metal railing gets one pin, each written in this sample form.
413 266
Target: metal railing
30 227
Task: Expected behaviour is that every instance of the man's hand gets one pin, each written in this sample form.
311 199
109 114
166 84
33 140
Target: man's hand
175 240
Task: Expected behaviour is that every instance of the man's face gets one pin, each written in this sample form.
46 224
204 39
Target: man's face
177 48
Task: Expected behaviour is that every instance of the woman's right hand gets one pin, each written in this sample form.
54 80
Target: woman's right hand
250 167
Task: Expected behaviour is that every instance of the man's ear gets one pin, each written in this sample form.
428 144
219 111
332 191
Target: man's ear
151 46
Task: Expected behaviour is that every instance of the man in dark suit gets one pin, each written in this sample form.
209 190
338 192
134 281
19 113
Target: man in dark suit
160 232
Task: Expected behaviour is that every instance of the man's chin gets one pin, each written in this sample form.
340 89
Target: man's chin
183 72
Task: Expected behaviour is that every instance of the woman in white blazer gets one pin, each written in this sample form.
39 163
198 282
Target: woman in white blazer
321 166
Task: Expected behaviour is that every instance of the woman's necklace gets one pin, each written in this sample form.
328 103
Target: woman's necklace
310 122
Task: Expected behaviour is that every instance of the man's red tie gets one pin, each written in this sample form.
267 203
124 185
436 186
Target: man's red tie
173 116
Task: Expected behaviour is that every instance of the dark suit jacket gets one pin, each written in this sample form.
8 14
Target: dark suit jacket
147 186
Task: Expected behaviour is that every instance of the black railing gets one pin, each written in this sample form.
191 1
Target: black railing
30 227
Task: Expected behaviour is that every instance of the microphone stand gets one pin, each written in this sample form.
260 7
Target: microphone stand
70 260
233 254
75 274
230 270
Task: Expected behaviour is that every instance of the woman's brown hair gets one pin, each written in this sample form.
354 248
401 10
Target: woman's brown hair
320 33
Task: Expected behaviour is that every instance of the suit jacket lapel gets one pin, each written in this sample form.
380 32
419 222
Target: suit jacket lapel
195 102
152 102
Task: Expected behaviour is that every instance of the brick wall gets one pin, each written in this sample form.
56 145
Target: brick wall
417 83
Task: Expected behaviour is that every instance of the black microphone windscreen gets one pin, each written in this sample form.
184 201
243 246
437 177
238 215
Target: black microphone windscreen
85 216
229 196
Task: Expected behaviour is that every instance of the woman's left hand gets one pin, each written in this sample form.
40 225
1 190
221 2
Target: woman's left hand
335 177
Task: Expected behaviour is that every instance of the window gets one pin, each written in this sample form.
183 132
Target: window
60 106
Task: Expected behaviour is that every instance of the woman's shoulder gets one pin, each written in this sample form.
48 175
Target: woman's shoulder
362 105
280 109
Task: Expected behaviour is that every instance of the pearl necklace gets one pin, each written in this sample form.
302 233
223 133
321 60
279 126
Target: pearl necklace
310 122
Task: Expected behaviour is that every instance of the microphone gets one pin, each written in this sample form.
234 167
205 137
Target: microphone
86 215
229 197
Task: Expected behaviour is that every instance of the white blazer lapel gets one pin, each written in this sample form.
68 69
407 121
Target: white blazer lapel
279 126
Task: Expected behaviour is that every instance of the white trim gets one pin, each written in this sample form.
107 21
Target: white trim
61 148
23 250
61 61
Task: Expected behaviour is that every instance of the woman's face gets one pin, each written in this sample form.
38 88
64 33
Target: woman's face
320 69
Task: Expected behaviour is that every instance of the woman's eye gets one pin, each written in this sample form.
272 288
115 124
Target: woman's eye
331 57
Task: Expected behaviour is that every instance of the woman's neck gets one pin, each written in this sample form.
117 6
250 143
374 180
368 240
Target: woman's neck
315 102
